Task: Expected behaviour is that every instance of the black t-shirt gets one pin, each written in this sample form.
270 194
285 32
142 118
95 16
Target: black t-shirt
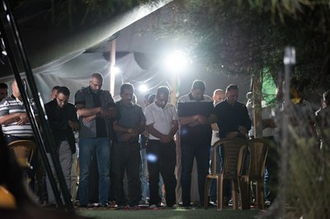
230 117
187 106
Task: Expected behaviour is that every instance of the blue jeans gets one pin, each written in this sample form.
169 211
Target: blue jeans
144 175
91 148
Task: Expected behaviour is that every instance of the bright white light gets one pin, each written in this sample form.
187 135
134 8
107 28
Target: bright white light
116 70
152 158
143 88
176 62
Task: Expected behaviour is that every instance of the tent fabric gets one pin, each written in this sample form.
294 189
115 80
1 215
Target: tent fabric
139 56
77 72
49 34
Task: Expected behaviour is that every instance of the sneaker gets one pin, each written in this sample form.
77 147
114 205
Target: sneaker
143 203
267 203
121 207
213 203
113 204
230 203
96 204
104 205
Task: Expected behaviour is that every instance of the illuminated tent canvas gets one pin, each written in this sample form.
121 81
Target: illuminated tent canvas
71 58
66 52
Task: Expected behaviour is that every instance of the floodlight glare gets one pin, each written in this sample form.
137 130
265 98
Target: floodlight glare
143 88
176 62
116 70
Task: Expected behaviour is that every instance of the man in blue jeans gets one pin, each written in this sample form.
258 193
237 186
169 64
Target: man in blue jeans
95 108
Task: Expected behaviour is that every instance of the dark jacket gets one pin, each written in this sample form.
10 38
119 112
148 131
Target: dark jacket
89 129
59 122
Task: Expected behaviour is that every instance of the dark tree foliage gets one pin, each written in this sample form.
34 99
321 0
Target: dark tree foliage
243 37
66 12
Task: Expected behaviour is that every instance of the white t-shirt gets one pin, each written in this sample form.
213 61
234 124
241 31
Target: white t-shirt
161 118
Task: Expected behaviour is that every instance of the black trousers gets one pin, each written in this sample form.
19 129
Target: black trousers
199 148
127 158
161 158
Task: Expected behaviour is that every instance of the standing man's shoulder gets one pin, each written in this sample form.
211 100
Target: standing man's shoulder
137 106
82 90
107 95
240 104
183 99
149 107
49 104
207 98
71 106
81 94
221 104
170 105
118 103
105 92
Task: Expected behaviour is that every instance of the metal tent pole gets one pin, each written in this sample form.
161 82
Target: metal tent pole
49 141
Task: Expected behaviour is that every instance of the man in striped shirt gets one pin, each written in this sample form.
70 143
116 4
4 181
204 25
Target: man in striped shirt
14 118
15 122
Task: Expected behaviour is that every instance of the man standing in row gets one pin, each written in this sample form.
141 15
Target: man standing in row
63 122
129 123
196 114
95 108
162 125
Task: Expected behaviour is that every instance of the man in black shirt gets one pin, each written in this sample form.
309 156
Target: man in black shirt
233 121
233 116
196 114
63 121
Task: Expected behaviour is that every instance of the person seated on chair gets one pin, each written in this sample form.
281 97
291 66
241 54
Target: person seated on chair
16 124
15 200
233 121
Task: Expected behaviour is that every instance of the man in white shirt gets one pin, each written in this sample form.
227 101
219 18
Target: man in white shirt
162 125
